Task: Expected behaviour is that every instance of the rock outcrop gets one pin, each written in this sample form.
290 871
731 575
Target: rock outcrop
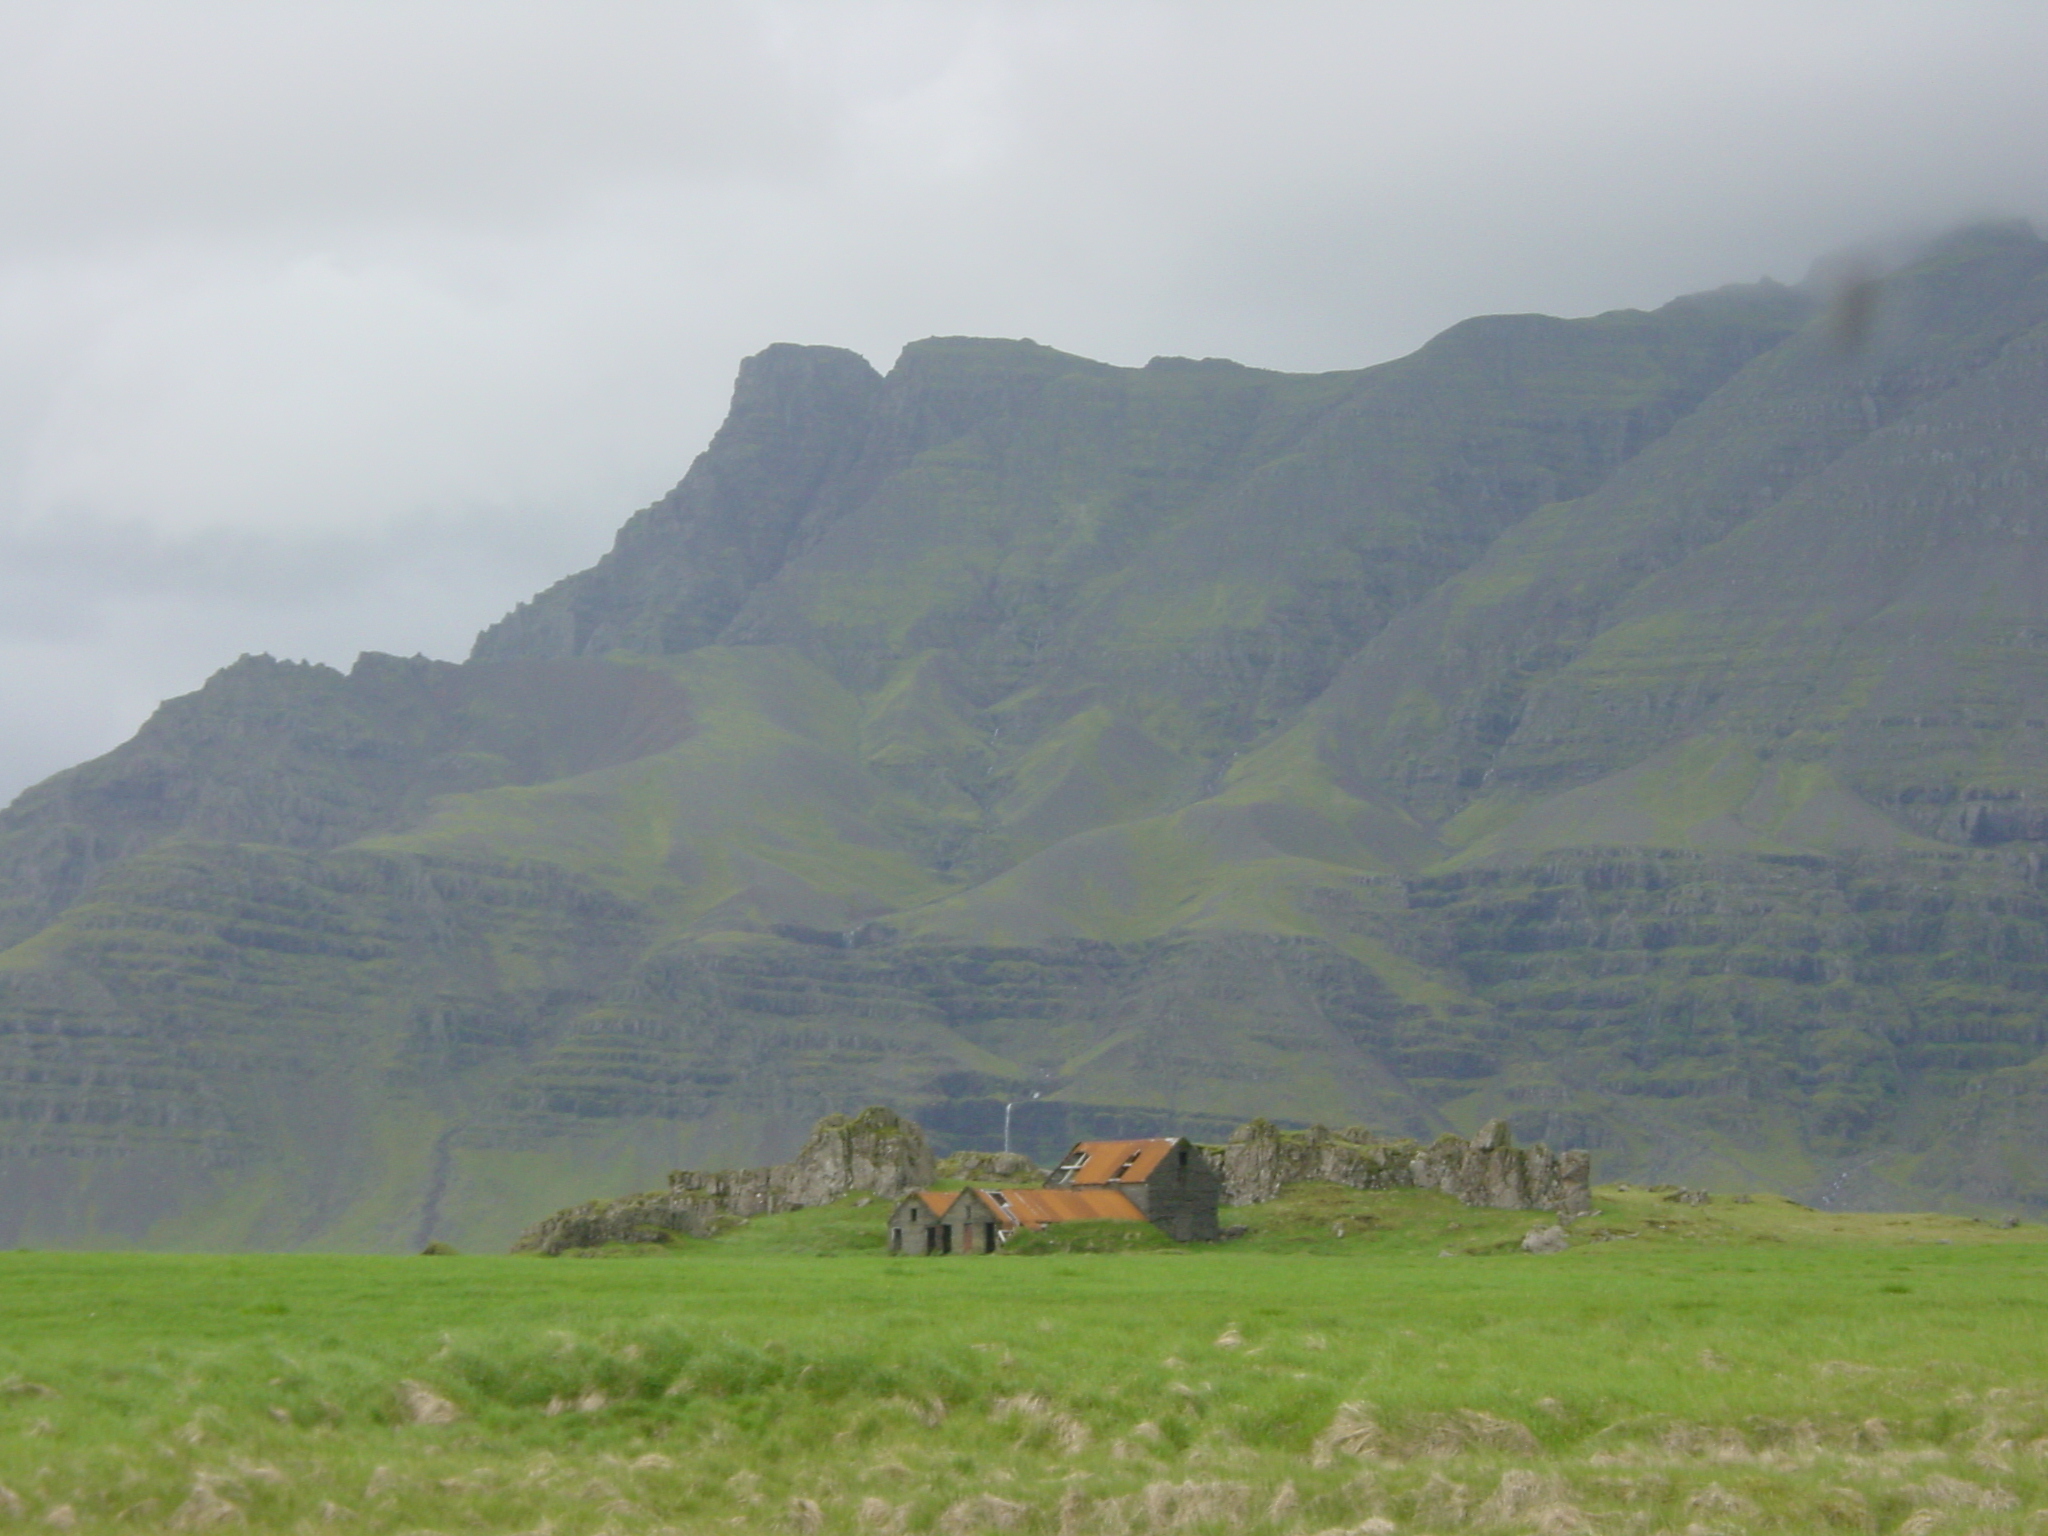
1491 1170
1486 1170
877 1150
655 1217
1260 1160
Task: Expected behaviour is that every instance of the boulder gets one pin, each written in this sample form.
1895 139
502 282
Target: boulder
1546 1240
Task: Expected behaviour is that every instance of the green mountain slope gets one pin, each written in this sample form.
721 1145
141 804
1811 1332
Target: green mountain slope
1632 725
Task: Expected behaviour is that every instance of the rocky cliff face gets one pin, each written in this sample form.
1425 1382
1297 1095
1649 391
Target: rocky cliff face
1631 727
799 448
1488 1169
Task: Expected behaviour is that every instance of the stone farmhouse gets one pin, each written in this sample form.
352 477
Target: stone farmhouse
1164 1180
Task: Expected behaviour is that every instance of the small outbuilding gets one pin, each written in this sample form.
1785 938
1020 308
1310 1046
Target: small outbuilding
972 1223
946 1221
917 1225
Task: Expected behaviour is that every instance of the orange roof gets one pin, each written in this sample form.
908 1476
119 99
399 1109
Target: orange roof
941 1201
1116 1162
957 1197
1038 1207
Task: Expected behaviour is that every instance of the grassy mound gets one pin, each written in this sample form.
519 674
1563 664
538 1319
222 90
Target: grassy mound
1091 1237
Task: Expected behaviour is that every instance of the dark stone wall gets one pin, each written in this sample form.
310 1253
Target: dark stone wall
1181 1197
972 1225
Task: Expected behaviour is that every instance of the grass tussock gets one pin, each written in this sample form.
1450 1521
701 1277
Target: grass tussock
1681 1379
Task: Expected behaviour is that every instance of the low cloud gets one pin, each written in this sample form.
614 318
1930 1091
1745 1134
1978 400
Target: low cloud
296 299
99 620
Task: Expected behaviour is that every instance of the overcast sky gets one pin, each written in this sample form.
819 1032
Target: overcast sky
344 326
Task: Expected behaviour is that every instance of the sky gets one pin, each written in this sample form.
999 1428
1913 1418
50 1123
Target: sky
328 328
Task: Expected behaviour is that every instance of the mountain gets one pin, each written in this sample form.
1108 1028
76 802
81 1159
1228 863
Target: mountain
1636 726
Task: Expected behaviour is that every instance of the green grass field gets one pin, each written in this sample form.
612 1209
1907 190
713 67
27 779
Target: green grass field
1682 1369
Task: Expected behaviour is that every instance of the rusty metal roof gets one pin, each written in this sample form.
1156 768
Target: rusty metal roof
941 1202
1115 1162
1039 1207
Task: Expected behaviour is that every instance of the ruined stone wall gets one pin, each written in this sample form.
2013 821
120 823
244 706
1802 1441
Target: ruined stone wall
878 1151
1487 1170
1181 1200
990 1167
648 1218
1260 1159
1491 1170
